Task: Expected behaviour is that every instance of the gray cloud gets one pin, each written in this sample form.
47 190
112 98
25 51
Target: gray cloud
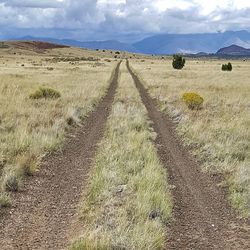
43 4
104 19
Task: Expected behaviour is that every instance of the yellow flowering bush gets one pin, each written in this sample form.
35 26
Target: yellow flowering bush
193 100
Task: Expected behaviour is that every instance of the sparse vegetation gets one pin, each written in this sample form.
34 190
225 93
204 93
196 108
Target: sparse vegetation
30 128
220 132
73 59
128 199
178 62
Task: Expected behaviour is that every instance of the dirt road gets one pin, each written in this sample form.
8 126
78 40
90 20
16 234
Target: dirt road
42 213
202 217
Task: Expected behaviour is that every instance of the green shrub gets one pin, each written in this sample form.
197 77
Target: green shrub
178 62
227 67
193 100
46 93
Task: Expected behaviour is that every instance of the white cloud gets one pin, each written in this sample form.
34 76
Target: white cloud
163 5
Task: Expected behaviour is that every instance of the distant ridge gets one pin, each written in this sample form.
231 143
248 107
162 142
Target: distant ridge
107 45
234 50
37 45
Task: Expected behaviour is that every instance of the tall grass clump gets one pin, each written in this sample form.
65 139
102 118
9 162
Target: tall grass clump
127 205
5 200
47 93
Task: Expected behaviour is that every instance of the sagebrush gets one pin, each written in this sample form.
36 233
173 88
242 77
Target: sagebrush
47 93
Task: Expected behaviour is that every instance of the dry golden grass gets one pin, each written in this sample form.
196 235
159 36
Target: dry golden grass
220 132
29 127
128 203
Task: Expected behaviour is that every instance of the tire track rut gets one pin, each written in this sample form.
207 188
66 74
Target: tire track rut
202 217
42 213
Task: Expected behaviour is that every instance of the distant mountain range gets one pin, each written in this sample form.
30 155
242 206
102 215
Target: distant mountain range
170 43
192 43
109 44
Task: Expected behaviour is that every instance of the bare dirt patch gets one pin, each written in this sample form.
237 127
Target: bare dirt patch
42 213
202 217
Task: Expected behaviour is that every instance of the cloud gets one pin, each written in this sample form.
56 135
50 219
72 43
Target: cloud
43 4
104 19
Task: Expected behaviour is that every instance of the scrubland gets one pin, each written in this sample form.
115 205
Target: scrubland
30 128
218 134
127 204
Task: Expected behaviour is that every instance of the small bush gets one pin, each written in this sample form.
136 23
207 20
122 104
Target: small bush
46 93
178 62
11 183
227 67
5 200
193 100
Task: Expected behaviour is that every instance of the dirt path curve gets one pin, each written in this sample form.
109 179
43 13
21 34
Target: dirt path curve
202 217
42 214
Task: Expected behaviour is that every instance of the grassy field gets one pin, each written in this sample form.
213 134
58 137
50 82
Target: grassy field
31 127
219 134
127 204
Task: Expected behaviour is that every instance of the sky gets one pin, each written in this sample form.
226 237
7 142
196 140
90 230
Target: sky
119 19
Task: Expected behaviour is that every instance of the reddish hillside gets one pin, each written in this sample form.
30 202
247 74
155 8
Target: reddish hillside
36 45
